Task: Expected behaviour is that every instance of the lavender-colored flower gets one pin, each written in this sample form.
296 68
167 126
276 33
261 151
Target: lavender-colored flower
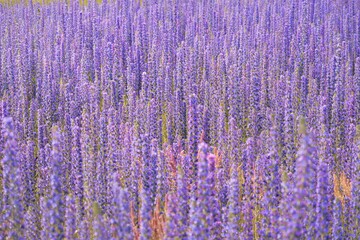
289 148
182 203
30 174
77 172
100 231
200 228
150 158
255 96
248 162
214 217
69 180
32 223
56 199
172 222
301 211
323 215
152 120
135 86
45 218
222 186
70 218
102 166
337 226
120 212
272 196
145 215
233 224
162 186
13 215
135 172
193 136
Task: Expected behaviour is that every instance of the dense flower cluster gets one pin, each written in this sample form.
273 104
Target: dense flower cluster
180 119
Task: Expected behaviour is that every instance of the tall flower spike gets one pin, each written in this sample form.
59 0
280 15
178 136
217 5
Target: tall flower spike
199 226
168 125
214 220
70 217
233 142
56 199
233 227
337 228
120 218
182 203
135 172
248 206
323 215
235 93
113 153
206 125
180 113
289 147
221 129
78 170
272 196
32 223
149 168
152 119
130 151
172 221
222 186
41 152
100 232
153 165
193 136
13 215
325 185
45 218
102 166
67 155
255 97
145 216
162 186
30 173
302 205
357 86
84 229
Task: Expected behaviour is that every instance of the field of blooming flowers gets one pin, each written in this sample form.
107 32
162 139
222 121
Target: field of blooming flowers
180 119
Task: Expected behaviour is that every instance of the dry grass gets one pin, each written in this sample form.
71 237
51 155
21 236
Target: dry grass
342 187
158 222
134 220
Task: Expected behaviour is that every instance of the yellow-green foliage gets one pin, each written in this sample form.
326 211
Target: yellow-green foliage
126 101
163 127
96 209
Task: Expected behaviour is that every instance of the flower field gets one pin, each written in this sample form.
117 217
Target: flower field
180 119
